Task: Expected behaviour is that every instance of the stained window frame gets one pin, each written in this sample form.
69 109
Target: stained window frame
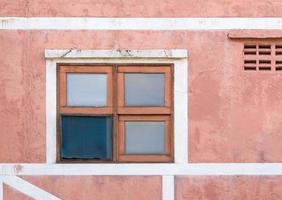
87 69
145 69
167 157
114 87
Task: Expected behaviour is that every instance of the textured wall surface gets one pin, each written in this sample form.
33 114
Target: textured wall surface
143 8
12 194
228 187
100 187
234 115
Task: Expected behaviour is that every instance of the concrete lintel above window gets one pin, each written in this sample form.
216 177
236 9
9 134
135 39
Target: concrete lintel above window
116 53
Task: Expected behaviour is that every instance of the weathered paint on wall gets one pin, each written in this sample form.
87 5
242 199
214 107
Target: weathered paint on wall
22 100
143 8
234 115
228 187
100 187
12 194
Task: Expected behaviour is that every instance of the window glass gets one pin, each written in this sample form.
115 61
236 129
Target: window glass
144 89
86 89
85 137
144 137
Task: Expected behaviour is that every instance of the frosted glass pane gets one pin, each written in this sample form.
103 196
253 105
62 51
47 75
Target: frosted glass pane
144 137
86 89
144 89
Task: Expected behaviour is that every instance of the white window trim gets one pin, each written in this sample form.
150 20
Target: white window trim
177 57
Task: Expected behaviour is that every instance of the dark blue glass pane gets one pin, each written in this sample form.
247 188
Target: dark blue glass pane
86 137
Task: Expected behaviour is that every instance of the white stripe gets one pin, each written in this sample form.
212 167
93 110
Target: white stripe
82 23
1 189
27 188
143 169
51 123
168 187
181 111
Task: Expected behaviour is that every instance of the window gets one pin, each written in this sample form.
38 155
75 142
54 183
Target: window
115 113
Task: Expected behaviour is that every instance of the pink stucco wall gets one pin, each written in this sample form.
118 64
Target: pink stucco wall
100 187
228 187
142 8
234 115
10 193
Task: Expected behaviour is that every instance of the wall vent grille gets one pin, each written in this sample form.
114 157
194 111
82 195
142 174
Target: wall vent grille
262 57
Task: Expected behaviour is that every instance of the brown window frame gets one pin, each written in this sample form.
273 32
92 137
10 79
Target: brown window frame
122 109
65 109
122 157
115 108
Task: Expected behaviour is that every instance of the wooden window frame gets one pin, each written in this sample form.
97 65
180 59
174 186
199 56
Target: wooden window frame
116 108
65 109
123 109
123 157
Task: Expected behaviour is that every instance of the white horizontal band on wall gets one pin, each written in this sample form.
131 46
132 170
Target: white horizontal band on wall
142 169
83 23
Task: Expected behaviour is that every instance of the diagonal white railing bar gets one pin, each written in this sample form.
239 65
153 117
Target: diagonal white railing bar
27 188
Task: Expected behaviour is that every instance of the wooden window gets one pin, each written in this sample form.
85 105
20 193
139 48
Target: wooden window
144 138
65 71
124 71
115 113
